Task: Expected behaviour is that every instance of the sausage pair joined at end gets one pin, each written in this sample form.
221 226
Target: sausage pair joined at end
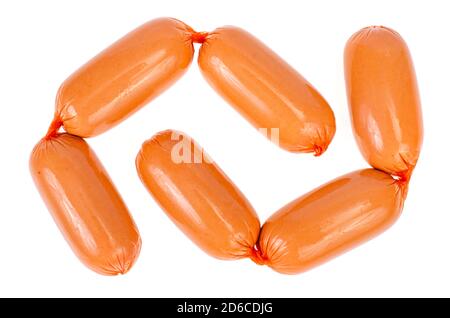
204 203
266 90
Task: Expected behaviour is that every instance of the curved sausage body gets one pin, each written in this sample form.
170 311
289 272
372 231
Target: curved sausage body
266 90
124 77
85 204
384 100
197 195
330 220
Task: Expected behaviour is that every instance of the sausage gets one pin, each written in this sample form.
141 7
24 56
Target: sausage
266 90
329 221
124 77
197 195
85 204
384 100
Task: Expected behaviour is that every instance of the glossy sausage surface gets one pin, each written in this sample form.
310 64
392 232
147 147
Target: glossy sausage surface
124 77
330 220
266 90
384 100
199 198
85 204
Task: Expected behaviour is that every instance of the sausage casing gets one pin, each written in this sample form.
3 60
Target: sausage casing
330 220
384 100
197 195
124 77
85 204
266 90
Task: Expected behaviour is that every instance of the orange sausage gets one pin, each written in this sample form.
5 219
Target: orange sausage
124 77
266 90
199 198
329 221
384 100
85 204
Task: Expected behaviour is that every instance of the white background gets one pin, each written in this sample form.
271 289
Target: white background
42 42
